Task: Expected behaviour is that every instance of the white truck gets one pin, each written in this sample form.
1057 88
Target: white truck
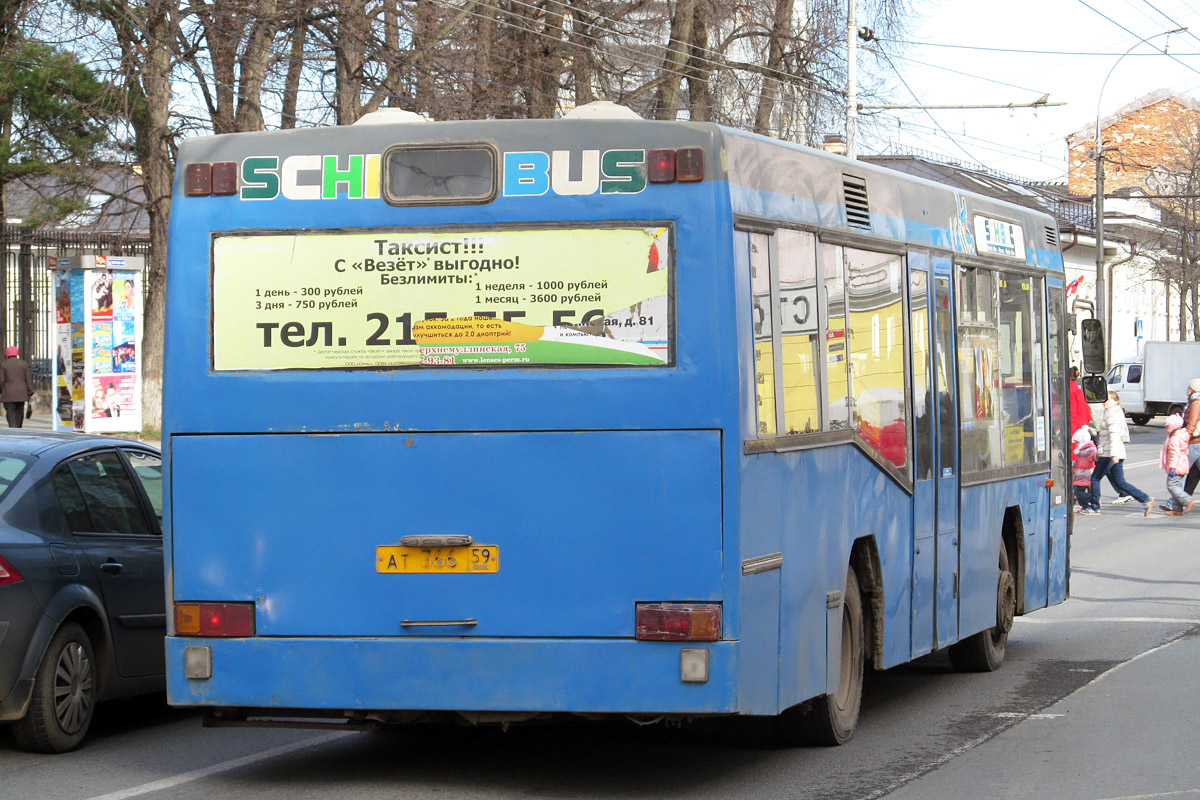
1157 383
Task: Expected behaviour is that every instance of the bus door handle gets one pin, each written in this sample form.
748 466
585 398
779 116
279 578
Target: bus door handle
437 623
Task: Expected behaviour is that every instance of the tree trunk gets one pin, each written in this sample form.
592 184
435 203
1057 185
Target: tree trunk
666 98
349 60
291 84
583 66
158 170
257 55
220 29
424 25
700 100
780 30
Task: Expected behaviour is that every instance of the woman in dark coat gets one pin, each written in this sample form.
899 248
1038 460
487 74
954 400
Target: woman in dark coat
16 387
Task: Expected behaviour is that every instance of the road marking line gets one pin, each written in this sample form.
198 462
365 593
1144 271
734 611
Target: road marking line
1177 793
1142 463
1023 715
224 766
1061 620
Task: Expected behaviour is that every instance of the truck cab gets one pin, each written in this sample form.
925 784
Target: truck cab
1125 378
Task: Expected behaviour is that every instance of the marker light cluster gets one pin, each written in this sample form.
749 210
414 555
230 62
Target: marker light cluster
678 622
202 179
214 619
667 166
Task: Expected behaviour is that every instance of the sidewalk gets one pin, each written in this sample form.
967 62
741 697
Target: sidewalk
1131 733
40 421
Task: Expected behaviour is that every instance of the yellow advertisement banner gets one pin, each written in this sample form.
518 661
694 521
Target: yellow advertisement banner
384 298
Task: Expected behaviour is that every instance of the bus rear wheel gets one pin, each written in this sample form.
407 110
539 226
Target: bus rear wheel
830 719
984 651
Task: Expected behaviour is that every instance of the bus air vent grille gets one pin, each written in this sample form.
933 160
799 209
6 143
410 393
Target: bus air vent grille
1052 235
858 210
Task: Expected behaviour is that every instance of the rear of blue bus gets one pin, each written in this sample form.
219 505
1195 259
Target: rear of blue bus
445 410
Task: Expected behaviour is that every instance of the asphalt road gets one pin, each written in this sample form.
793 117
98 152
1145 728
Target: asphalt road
1095 701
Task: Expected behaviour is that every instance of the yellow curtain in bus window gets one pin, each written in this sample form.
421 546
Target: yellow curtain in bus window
468 298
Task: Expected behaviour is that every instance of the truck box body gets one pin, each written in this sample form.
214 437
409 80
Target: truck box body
1157 384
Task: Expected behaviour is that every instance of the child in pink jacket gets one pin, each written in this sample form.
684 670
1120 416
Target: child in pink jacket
1174 460
1084 461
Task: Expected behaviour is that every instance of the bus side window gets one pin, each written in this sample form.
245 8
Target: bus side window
837 390
798 330
764 332
1021 407
922 395
980 437
875 315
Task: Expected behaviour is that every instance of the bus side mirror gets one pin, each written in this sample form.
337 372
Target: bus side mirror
1095 388
1092 331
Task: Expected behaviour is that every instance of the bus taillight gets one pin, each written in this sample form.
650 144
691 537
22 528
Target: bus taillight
214 619
201 179
668 166
678 622
689 164
660 166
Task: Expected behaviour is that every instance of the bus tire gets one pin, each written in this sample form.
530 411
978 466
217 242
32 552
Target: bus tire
830 720
64 695
984 651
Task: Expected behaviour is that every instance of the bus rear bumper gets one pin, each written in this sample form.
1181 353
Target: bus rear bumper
433 674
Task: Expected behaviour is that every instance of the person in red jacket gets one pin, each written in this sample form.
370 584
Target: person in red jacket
1080 411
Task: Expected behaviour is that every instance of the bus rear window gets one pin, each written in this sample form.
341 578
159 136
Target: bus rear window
583 297
437 175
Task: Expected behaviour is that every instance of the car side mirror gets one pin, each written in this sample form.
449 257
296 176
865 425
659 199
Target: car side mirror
1095 388
1092 332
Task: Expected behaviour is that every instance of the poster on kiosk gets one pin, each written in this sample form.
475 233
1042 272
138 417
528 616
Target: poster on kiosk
98 343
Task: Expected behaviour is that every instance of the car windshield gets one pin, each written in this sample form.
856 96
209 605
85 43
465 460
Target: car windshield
11 467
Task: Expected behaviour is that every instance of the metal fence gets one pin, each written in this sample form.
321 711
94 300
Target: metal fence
27 292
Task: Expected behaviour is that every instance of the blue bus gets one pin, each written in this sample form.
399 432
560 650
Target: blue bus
494 420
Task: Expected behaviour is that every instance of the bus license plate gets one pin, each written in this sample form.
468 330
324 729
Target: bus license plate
473 558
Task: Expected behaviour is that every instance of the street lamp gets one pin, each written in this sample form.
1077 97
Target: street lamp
1098 152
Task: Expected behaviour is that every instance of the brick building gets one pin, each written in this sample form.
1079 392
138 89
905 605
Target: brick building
1152 131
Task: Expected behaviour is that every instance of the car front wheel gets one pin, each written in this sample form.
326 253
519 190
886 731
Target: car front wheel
64 695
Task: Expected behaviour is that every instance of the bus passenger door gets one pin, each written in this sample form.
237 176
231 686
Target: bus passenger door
1058 560
924 542
946 447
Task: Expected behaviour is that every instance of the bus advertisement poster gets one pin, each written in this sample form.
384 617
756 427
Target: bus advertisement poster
391 298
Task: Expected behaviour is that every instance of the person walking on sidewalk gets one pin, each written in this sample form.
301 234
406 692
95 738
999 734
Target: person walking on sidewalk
1191 424
1081 473
1113 435
1174 460
16 387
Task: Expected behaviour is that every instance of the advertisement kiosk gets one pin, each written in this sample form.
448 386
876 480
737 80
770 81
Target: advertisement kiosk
97 368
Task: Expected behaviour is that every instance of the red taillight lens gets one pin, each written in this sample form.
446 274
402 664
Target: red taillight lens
214 619
224 177
8 573
660 166
678 622
197 180
689 164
